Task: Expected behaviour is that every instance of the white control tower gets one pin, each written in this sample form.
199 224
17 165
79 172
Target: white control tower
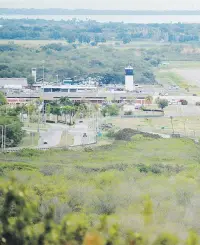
34 74
129 82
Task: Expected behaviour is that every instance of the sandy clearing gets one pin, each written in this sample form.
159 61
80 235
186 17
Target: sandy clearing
191 75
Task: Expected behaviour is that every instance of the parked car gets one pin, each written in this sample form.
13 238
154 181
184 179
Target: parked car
183 102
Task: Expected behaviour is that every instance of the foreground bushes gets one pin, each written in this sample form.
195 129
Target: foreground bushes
21 224
127 134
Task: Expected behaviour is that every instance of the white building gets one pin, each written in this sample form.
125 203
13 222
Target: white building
68 88
15 83
129 82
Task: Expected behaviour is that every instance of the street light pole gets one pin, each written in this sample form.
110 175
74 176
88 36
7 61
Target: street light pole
5 137
2 138
172 124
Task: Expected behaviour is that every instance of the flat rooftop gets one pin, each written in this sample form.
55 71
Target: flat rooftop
13 81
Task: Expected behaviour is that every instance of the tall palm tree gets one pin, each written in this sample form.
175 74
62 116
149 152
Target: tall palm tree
149 99
64 101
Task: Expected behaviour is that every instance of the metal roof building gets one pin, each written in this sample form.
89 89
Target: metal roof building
13 82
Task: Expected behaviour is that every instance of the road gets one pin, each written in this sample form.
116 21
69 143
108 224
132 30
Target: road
81 132
52 136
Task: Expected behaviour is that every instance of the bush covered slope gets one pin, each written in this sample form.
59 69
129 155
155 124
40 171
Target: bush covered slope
147 186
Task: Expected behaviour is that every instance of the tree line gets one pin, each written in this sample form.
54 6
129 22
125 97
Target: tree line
102 63
93 32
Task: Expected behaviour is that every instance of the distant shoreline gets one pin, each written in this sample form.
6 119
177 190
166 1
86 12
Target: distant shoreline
6 11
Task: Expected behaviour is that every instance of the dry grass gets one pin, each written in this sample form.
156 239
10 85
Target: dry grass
183 125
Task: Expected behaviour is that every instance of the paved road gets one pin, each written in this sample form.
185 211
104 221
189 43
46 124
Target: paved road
52 136
83 134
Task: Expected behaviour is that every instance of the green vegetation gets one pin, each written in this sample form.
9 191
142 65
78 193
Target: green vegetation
30 139
144 188
110 110
13 133
97 50
106 64
162 103
3 100
93 32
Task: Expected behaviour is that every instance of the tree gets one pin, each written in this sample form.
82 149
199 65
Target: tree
30 80
55 110
162 103
3 100
110 110
149 99
69 110
12 130
63 101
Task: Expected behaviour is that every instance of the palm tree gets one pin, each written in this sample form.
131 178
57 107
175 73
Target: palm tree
55 110
65 101
149 99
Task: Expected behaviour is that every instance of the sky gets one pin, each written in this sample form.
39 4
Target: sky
104 4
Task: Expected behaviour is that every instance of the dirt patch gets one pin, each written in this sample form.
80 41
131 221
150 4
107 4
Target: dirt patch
191 75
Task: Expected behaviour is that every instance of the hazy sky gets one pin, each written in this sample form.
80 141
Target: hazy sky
103 4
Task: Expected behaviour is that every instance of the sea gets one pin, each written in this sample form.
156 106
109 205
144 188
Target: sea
143 19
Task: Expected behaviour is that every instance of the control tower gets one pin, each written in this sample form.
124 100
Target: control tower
34 74
129 82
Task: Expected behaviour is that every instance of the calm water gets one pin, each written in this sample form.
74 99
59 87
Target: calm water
115 18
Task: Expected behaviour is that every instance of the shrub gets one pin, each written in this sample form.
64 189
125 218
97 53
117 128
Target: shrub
28 153
50 121
128 113
193 238
162 103
110 133
127 134
166 239
49 170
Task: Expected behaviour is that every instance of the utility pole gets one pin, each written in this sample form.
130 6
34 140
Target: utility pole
172 124
5 137
43 92
66 131
2 138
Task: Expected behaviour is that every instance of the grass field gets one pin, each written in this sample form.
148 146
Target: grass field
30 140
188 126
116 44
183 64
170 77
32 43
